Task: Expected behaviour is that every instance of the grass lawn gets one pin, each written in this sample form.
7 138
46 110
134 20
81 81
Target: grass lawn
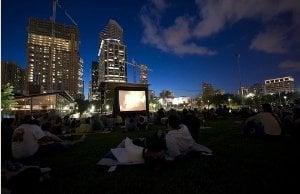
237 166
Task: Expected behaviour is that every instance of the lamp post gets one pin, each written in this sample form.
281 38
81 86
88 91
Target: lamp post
238 56
107 108
229 100
279 98
285 97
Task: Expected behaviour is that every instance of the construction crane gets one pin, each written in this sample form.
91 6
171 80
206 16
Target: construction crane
136 67
66 13
53 17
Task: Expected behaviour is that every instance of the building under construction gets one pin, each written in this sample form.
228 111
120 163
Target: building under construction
143 74
53 58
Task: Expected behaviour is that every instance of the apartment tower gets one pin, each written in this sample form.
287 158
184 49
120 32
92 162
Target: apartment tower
54 63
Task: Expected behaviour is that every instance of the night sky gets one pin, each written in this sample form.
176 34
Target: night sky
184 42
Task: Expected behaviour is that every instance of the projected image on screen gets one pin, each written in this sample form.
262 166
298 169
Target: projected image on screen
132 100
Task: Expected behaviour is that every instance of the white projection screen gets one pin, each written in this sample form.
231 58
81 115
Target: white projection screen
132 100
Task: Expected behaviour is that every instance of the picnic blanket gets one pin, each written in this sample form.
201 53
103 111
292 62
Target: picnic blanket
127 153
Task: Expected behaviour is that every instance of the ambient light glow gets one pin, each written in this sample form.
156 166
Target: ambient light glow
132 100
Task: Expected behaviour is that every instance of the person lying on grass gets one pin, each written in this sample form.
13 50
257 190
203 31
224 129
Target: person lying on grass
46 127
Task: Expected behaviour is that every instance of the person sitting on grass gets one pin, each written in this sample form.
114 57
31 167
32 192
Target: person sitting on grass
193 124
46 127
296 121
263 124
96 123
157 148
26 139
142 123
131 123
6 136
84 126
29 141
179 140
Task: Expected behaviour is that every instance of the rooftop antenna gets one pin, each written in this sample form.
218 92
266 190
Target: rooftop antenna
54 2
238 56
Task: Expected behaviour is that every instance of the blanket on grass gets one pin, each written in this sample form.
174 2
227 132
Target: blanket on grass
127 153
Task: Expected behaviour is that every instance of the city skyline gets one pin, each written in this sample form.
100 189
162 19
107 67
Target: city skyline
182 49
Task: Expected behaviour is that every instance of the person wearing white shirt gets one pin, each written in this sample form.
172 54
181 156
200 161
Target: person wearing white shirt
179 141
29 138
25 139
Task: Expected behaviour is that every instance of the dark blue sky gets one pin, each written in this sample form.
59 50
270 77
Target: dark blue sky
185 43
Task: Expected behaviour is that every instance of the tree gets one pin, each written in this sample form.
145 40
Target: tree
7 98
82 105
166 94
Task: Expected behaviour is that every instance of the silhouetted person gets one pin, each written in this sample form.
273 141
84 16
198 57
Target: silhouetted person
160 114
264 123
178 139
296 122
6 137
193 124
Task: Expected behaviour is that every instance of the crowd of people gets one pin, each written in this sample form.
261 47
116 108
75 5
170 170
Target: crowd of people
274 121
28 139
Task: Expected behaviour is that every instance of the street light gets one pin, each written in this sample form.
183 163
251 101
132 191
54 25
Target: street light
285 97
92 110
229 100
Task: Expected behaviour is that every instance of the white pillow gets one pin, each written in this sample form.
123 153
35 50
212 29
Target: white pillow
130 154
135 153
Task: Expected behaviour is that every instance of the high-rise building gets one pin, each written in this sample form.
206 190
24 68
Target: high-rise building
207 90
278 85
80 93
243 91
53 58
13 74
94 84
257 89
112 54
143 74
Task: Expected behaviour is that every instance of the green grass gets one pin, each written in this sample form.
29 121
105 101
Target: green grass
238 166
